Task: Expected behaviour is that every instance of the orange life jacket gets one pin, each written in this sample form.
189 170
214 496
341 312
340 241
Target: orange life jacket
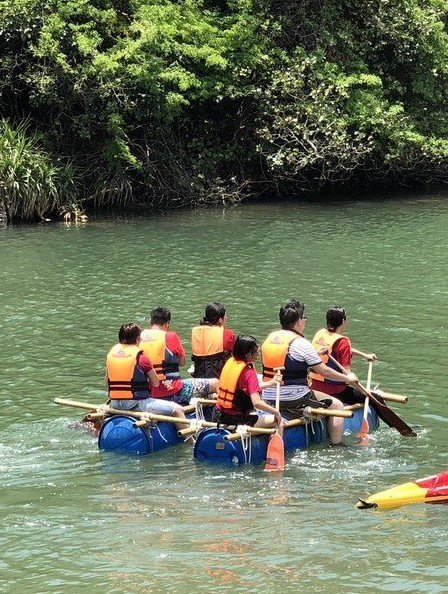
207 340
207 346
275 354
229 397
326 339
125 379
166 364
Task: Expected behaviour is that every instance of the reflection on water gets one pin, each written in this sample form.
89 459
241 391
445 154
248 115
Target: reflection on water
77 520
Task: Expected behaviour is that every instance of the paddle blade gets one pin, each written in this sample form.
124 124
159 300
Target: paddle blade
275 455
363 434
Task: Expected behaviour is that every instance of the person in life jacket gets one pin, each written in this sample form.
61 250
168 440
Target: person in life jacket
164 347
331 341
288 348
211 342
131 376
239 389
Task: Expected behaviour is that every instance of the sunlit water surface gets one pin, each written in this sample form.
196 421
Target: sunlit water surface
77 520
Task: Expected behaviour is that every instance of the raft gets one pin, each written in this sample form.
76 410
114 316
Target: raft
431 489
213 447
134 432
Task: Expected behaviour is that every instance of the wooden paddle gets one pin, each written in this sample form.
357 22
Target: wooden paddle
363 433
386 414
275 454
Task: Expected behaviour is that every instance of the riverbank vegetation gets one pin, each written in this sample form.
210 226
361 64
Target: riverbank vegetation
169 103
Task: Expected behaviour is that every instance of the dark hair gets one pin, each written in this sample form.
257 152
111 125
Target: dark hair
335 316
129 333
160 315
213 312
244 345
290 313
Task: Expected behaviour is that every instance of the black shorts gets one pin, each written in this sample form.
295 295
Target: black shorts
293 409
350 396
223 418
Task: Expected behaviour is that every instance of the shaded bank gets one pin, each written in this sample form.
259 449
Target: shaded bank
204 102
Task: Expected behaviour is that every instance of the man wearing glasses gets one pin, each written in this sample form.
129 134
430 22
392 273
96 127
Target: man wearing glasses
289 349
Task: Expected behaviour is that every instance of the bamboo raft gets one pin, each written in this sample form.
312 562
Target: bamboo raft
138 433
222 446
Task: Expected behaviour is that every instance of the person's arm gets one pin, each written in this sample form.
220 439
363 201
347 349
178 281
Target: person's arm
251 386
147 367
367 356
272 382
332 374
176 347
153 379
262 405
228 340
343 353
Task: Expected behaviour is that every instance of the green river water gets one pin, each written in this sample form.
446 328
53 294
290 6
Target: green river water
75 520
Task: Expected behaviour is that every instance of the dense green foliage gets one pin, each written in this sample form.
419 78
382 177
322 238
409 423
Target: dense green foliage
29 182
173 103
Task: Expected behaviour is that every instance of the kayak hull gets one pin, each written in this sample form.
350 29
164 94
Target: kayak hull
432 489
212 446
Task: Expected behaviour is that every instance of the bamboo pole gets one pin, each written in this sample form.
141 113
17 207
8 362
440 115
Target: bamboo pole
355 406
142 416
327 412
128 413
391 397
250 431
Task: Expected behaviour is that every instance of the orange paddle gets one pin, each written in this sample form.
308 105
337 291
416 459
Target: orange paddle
363 434
275 454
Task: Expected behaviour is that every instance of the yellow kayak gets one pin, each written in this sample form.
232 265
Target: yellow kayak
431 489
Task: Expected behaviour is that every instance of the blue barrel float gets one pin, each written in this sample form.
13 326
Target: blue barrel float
119 434
212 446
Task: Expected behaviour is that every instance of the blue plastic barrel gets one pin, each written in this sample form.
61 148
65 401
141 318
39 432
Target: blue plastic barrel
212 447
119 434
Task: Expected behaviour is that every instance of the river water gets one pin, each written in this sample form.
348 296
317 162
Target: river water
76 520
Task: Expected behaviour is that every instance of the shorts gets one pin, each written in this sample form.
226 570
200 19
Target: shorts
293 409
223 418
156 406
192 388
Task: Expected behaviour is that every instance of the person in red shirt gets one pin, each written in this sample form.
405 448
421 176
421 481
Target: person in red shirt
239 391
332 340
211 342
131 377
165 349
